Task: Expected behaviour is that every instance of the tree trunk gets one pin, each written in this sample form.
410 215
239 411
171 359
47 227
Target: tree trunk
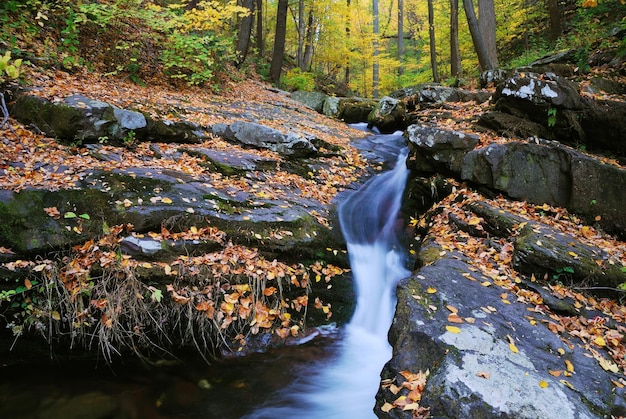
433 45
308 47
555 20
301 29
278 54
375 67
455 52
260 39
245 31
347 72
477 38
400 36
487 25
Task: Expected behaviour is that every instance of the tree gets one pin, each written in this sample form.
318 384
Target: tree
477 38
245 31
375 67
400 35
455 52
433 45
260 39
487 25
555 19
278 54
301 29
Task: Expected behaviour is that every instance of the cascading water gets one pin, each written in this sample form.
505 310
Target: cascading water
369 221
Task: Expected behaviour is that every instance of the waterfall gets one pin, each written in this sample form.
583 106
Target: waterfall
346 388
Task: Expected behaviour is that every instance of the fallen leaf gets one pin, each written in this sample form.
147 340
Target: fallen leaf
387 407
453 329
431 290
569 365
555 373
483 374
599 341
543 384
454 318
166 200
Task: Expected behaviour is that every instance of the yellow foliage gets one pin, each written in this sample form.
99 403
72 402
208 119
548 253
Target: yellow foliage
209 16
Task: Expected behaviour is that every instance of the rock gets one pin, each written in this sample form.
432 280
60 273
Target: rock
555 104
144 248
84 120
493 77
313 100
353 110
436 94
261 136
435 149
331 106
231 162
542 250
388 115
550 173
474 371
513 126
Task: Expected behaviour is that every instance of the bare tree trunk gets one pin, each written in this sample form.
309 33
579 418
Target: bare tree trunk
347 72
245 31
555 19
487 25
433 45
308 47
375 67
400 36
278 54
477 38
301 29
260 39
455 52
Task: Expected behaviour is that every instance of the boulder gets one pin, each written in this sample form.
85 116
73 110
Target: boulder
330 106
353 110
554 103
251 134
553 174
388 115
437 150
313 100
79 119
482 351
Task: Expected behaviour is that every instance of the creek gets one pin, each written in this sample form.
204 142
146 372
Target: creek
334 373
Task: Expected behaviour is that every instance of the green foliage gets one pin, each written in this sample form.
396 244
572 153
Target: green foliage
9 69
296 79
551 117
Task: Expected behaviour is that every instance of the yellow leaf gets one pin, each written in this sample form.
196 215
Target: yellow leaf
513 348
543 384
474 221
569 365
485 284
431 290
453 329
608 365
387 407
567 384
166 201
599 341
55 315
561 351
590 4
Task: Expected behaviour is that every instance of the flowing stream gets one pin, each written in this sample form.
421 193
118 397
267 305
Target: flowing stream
346 387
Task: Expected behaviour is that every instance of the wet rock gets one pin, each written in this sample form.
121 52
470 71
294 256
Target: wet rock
331 106
231 162
144 248
493 77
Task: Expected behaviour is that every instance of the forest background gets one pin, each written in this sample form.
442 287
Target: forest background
363 47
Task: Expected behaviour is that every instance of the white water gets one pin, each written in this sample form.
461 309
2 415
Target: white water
346 387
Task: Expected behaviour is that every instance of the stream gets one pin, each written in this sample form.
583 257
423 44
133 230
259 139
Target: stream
333 374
